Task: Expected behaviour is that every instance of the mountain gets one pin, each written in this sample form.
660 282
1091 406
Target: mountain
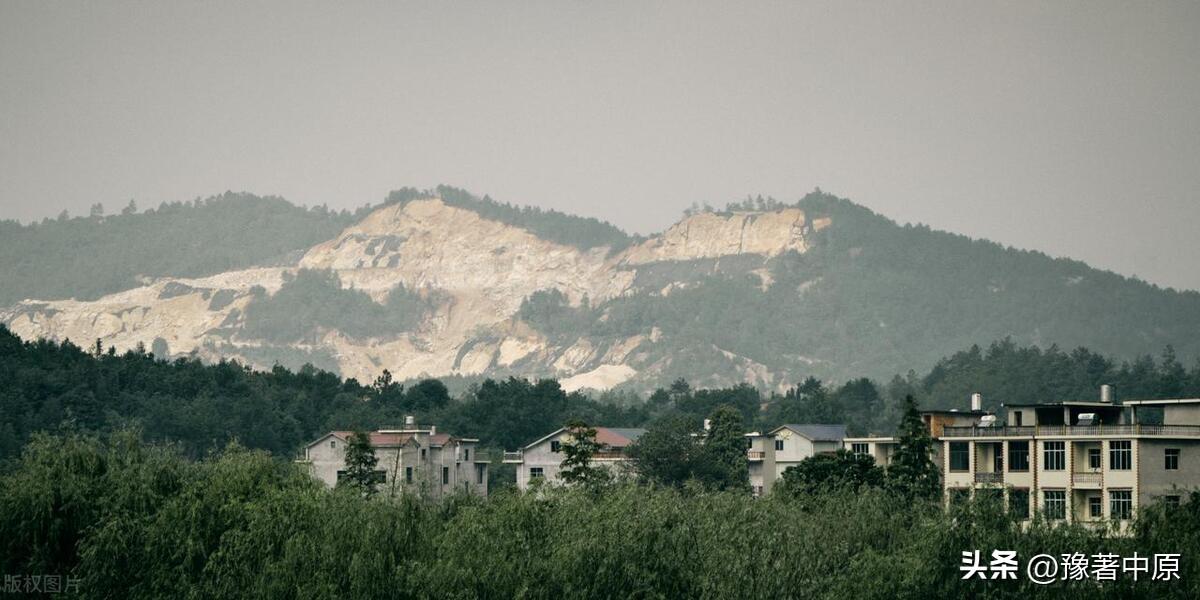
441 283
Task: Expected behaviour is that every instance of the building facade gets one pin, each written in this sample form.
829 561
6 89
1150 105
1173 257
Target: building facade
1086 462
779 449
540 460
410 460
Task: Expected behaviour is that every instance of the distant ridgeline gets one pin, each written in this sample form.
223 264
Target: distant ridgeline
839 293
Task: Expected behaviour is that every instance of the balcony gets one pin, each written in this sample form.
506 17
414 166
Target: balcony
993 477
755 454
514 457
1089 479
1192 431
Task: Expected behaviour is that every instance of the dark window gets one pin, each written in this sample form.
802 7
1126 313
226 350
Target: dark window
480 474
536 473
1054 504
778 445
422 454
1171 501
379 477
1017 418
555 446
1120 504
1095 507
1094 459
1018 457
1055 456
1120 455
467 454
445 475
1018 503
1171 459
408 474
333 443
859 448
960 456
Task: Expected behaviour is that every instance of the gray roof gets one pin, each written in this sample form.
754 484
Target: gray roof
819 433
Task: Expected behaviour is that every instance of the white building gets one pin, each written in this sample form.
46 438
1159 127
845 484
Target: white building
774 452
411 459
540 459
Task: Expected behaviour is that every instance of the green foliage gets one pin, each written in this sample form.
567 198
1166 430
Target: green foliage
360 465
578 450
725 447
141 522
824 473
313 301
90 257
675 453
912 473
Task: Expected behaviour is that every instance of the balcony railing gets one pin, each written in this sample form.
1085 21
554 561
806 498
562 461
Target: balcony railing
755 454
1085 477
517 456
1074 430
989 478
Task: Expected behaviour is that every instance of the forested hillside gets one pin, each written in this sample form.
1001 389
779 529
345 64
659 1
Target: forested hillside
87 257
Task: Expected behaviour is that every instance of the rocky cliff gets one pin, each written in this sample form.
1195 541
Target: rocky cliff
476 274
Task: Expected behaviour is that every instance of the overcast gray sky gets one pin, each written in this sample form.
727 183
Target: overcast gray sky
1072 128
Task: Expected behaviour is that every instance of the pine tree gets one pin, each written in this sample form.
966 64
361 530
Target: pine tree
360 465
576 466
725 447
912 472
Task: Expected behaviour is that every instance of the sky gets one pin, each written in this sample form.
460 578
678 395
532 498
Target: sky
1068 127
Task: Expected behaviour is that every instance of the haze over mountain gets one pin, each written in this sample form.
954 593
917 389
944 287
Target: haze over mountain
441 283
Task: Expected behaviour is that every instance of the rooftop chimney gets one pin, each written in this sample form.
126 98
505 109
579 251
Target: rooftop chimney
410 422
977 402
432 430
1106 393
707 424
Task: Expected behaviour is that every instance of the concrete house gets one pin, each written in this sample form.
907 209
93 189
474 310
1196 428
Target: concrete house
773 452
882 448
1078 461
540 459
411 459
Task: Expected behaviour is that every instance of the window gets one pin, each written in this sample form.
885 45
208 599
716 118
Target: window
1018 503
859 448
379 477
556 446
422 454
445 475
1120 455
960 456
1018 456
1017 418
1054 504
779 445
1120 504
1094 459
1171 501
480 474
1171 459
467 454
1095 507
536 473
1055 457
333 443
407 474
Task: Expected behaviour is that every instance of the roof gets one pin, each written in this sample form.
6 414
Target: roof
817 433
953 411
1162 402
615 437
377 438
1064 403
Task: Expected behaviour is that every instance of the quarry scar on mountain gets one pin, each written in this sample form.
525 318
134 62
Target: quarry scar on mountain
474 274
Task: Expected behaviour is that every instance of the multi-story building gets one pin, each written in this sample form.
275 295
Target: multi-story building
411 459
882 448
777 450
1078 461
540 460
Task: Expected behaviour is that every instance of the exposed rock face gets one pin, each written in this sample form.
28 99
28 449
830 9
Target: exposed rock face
481 271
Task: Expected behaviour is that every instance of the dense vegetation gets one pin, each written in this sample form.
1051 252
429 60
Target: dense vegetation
87 257
139 521
582 232
313 301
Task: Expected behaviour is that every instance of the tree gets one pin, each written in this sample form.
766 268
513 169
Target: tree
821 473
360 465
725 449
666 453
912 472
576 466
